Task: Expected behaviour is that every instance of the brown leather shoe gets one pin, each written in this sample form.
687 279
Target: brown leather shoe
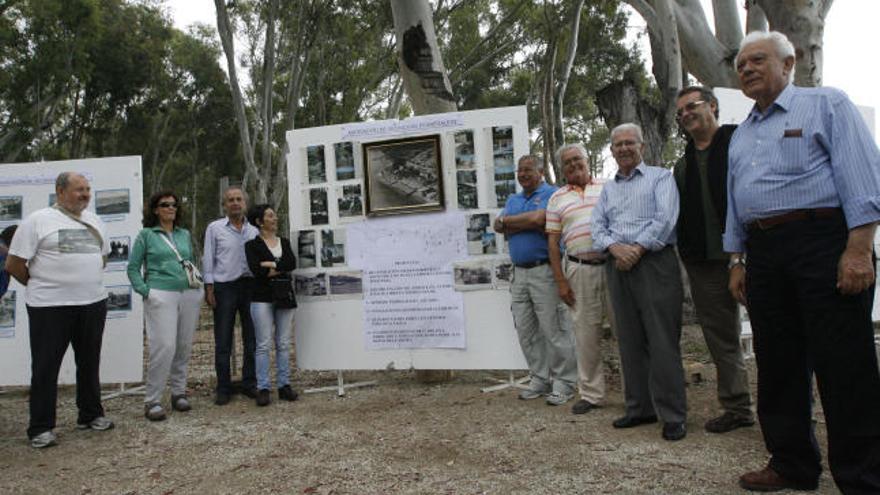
768 480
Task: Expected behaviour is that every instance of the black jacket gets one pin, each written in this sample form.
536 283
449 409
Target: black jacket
257 251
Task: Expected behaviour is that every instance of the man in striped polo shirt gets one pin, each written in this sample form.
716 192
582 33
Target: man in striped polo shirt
634 220
541 321
582 285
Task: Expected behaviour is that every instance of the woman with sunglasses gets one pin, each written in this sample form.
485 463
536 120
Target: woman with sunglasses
271 260
171 307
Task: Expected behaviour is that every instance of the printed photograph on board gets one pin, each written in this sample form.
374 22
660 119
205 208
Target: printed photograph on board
306 249
403 176
464 149
345 283
344 153
118 298
503 273
332 247
480 236
467 189
503 164
348 198
310 285
112 202
10 208
315 164
318 213
472 275
7 315
52 199
119 247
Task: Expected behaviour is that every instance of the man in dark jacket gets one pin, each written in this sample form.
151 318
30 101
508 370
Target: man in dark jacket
701 177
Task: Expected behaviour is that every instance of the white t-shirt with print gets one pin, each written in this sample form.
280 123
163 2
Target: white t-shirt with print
65 260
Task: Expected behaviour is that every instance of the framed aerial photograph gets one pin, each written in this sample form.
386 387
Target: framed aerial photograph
403 176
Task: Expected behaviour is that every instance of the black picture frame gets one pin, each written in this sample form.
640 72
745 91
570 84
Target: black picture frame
403 176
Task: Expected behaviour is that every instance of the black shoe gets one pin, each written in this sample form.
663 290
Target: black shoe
631 421
263 398
249 392
674 431
728 422
582 407
221 399
287 393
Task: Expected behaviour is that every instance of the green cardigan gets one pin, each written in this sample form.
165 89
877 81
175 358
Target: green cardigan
162 269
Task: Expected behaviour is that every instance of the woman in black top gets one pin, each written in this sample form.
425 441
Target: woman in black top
271 260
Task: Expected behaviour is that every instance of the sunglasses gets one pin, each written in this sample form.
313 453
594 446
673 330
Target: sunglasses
167 205
689 106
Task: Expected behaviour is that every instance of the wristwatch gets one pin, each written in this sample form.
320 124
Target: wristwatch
736 261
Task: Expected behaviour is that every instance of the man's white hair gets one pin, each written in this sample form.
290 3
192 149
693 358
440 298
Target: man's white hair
566 147
784 47
629 126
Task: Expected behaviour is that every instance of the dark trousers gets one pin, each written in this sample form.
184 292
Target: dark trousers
232 297
647 314
801 324
52 329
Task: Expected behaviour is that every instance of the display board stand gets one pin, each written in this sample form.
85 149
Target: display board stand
341 386
125 392
511 382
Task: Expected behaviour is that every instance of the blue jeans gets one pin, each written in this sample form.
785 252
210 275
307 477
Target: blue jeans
232 297
266 316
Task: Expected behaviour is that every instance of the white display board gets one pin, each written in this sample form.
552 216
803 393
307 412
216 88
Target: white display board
478 152
117 198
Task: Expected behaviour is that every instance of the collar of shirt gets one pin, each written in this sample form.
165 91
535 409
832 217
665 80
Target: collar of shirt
783 102
541 188
640 168
244 224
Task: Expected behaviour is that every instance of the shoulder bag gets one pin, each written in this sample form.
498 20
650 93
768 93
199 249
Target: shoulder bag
193 275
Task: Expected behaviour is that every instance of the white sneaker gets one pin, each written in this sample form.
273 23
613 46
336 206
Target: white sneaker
43 440
530 393
98 424
558 398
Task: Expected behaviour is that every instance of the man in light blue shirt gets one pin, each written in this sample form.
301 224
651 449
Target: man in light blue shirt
804 198
228 291
634 221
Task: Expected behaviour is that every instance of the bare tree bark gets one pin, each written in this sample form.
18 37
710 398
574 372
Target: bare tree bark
803 22
756 19
563 78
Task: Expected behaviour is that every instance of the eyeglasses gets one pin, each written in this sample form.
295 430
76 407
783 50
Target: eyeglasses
689 107
168 205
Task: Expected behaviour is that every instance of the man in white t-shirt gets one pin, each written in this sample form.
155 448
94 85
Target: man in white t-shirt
59 253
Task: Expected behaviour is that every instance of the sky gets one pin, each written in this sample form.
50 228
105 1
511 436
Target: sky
850 29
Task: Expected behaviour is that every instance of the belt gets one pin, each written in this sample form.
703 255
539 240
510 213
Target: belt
792 216
532 264
596 261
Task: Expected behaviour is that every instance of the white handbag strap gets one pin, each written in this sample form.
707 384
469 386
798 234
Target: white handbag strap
172 246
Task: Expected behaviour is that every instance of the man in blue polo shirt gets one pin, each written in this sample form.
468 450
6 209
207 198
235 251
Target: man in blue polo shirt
540 317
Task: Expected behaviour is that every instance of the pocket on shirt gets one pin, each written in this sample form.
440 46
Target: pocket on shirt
795 154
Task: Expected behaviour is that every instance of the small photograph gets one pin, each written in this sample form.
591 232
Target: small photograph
464 149
118 298
480 236
52 199
79 241
332 247
112 202
503 273
306 249
467 189
315 164
119 247
7 315
503 190
344 283
310 285
348 198
10 208
318 206
344 153
472 275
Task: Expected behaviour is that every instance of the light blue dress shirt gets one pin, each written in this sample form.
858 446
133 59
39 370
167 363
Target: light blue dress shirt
810 149
640 209
224 259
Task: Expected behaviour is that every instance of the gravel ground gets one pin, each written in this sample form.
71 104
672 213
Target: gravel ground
398 437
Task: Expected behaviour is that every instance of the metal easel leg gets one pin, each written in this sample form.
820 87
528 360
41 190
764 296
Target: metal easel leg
340 386
123 392
511 382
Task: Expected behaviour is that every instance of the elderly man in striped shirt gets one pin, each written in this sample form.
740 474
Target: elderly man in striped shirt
804 199
634 220
582 285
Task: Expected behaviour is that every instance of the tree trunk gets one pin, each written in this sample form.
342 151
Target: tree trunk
803 22
620 102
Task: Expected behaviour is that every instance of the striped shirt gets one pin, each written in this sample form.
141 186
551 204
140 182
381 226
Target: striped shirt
568 213
224 259
640 209
810 149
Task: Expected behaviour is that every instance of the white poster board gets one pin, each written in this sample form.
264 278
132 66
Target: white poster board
117 198
326 169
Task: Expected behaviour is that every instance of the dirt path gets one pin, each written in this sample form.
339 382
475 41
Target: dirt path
399 437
